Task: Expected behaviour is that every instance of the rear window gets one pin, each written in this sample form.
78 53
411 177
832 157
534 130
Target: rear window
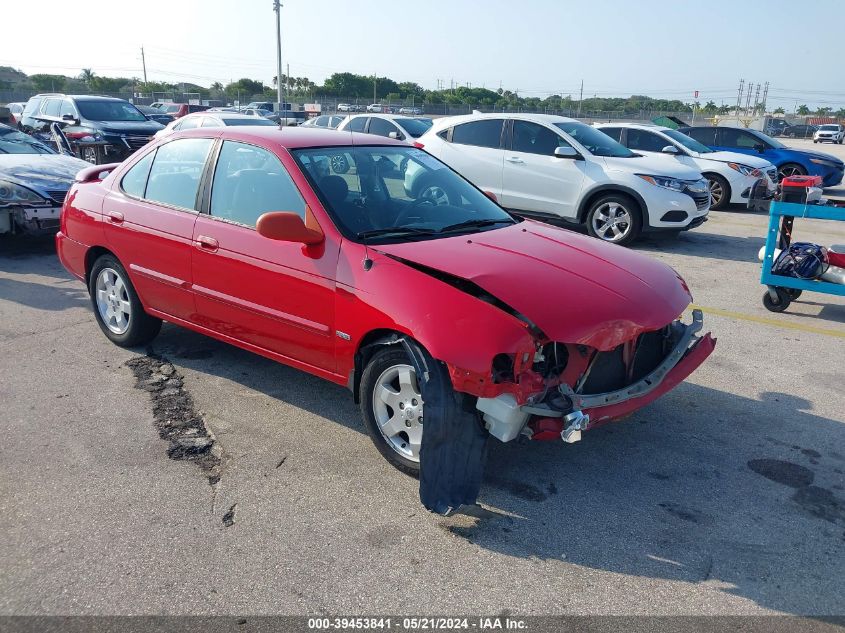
485 133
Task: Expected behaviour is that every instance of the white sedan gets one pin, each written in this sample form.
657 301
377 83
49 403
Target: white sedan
212 119
730 175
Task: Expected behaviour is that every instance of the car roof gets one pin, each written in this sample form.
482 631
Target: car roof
379 115
291 137
642 126
521 116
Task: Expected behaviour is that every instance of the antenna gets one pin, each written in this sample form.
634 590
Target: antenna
367 263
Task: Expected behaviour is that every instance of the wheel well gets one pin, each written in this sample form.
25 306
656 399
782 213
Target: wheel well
370 343
595 195
93 254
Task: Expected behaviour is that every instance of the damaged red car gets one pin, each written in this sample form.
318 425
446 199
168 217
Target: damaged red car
371 264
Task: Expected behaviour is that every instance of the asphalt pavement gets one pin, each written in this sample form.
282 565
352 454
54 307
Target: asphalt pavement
723 497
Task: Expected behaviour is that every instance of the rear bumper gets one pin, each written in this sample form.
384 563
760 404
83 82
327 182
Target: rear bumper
71 255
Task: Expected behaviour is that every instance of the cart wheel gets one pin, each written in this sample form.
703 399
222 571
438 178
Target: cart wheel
793 293
776 306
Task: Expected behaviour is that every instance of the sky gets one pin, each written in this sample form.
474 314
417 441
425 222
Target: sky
666 49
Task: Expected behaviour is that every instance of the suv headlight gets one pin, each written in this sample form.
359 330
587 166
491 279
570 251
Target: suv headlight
745 170
12 194
663 181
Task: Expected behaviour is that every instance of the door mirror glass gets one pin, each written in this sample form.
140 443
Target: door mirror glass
670 149
287 226
760 147
566 152
393 135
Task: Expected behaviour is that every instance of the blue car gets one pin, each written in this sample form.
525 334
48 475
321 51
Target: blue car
33 182
789 161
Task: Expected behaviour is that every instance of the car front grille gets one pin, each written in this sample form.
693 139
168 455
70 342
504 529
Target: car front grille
57 195
136 142
609 373
702 200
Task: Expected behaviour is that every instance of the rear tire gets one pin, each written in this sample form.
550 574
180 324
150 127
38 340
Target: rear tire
118 310
615 218
720 192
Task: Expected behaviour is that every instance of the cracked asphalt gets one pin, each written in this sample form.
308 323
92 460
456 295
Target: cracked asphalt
724 497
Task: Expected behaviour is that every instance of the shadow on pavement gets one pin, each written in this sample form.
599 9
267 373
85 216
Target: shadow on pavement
702 486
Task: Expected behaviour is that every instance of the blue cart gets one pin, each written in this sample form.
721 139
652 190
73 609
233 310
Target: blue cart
783 290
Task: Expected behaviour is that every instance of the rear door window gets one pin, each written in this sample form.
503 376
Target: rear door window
645 141
176 172
734 137
615 133
52 107
357 124
134 182
485 133
706 135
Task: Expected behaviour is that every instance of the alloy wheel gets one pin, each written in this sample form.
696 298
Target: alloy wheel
113 301
716 193
435 194
611 222
398 409
789 170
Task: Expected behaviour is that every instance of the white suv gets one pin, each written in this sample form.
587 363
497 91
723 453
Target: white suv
557 168
832 132
730 174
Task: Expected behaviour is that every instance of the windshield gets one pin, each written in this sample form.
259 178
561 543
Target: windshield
595 141
830 128
687 141
14 142
415 127
109 111
381 194
250 121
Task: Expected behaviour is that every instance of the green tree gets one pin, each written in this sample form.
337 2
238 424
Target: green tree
86 76
246 87
48 83
778 111
803 110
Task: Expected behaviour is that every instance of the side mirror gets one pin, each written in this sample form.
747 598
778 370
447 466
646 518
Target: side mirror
69 118
393 135
287 226
670 149
760 147
492 196
566 152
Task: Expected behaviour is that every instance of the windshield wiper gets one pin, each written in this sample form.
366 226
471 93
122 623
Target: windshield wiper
473 224
394 230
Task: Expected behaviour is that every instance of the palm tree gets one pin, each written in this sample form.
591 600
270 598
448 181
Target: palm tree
86 76
803 110
779 111
216 87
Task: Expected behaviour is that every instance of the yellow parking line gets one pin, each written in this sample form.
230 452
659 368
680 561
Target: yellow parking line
773 322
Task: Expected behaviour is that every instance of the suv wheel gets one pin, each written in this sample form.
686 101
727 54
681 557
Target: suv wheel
117 308
614 218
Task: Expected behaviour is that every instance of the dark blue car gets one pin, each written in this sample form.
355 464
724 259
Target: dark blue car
789 161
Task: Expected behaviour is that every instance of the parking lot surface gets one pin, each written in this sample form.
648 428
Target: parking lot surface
723 497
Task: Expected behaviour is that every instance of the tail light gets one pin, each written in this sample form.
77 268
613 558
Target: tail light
418 145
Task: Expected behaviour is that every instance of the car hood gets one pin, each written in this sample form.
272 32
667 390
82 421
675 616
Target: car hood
141 128
812 154
734 157
41 171
574 288
653 165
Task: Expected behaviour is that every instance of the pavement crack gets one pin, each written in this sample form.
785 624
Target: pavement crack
175 416
229 517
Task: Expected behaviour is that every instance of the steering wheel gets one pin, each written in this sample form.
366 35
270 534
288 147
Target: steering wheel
411 208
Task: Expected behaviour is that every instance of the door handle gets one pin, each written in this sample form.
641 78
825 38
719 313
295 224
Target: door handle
514 159
207 243
115 217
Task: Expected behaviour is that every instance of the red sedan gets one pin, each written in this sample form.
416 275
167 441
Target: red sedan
373 265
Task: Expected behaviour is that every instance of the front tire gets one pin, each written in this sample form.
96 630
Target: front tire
720 192
615 218
118 310
392 408
791 169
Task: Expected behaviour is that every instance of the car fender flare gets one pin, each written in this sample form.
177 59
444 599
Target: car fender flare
587 199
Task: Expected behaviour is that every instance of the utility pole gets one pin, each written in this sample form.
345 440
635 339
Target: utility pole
375 98
277 7
739 95
144 64
765 95
580 98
